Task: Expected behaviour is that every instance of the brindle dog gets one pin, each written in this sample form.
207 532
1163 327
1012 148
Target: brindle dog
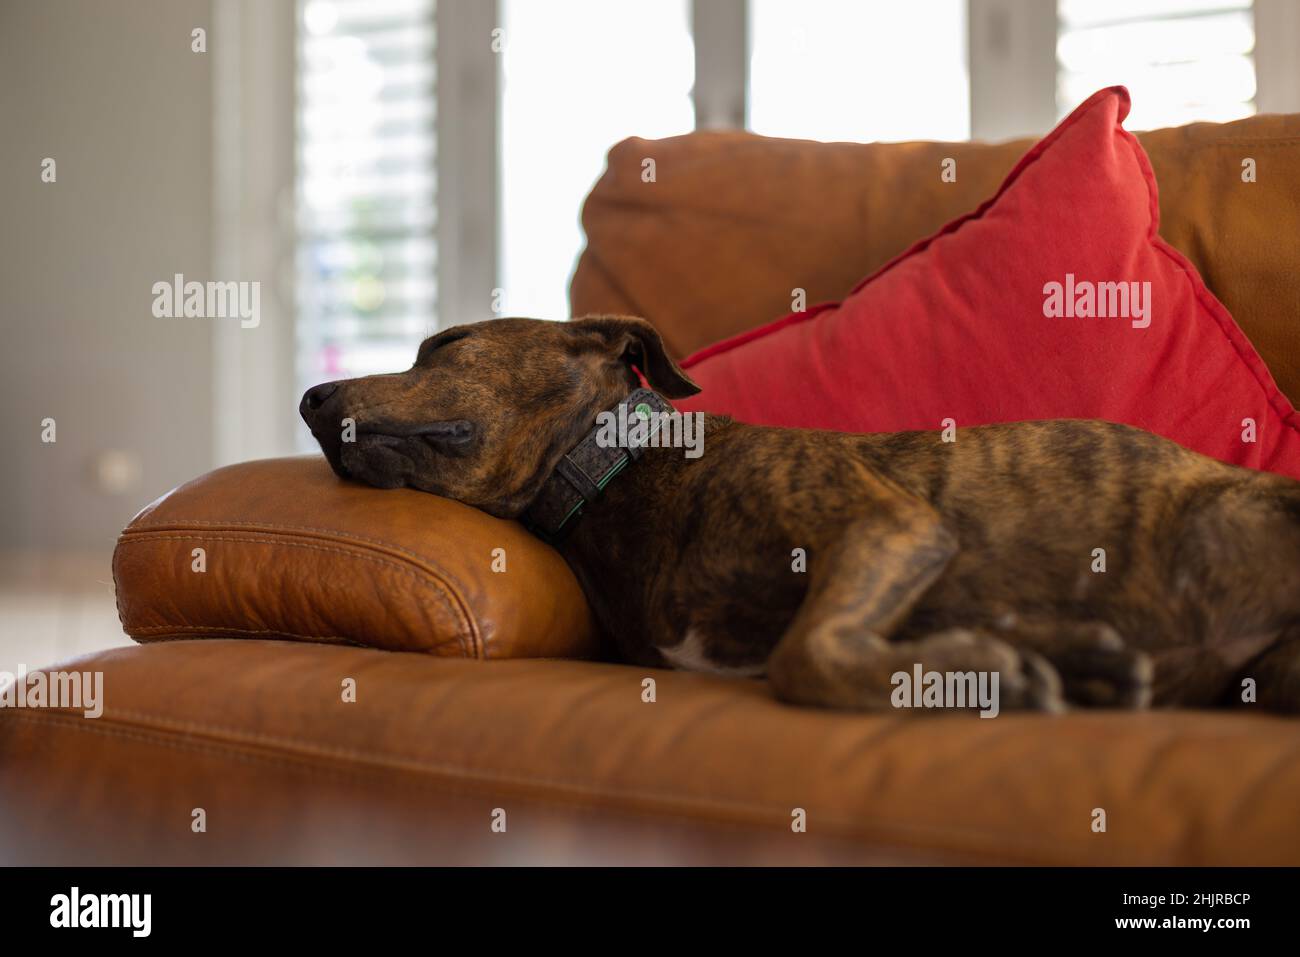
973 555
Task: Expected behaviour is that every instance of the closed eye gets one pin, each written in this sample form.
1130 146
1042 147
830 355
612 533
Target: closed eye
431 345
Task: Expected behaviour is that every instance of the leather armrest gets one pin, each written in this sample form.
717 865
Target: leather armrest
282 548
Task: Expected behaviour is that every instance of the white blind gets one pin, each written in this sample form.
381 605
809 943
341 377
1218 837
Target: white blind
365 185
1182 60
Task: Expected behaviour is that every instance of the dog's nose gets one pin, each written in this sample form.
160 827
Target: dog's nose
315 397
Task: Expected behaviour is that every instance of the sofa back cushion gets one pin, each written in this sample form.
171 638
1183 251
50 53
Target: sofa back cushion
281 548
984 322
735 223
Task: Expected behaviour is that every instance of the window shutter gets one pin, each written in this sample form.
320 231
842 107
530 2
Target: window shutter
366 253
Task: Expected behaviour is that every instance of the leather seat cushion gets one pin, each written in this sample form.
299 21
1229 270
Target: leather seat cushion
586 771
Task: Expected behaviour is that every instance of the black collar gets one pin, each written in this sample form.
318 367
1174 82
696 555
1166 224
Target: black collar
581 476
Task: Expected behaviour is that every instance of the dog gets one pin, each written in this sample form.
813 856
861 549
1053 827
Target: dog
1084 563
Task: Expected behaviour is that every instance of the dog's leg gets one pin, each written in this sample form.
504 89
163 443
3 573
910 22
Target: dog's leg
836 652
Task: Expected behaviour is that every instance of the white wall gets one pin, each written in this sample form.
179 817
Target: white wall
111 91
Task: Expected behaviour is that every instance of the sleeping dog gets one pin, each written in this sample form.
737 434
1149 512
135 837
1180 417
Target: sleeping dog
1082 562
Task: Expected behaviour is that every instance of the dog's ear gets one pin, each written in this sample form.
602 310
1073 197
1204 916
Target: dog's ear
635 342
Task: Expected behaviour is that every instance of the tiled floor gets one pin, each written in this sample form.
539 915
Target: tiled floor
54 607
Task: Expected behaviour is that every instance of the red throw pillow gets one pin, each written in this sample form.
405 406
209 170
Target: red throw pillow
1054 299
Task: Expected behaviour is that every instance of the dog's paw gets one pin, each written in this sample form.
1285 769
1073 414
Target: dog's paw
1026 681
1100 671
1039 687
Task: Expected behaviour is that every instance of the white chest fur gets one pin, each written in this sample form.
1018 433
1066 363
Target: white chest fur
690 655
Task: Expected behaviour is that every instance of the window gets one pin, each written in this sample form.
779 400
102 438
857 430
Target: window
365 192
1183 60
835 70
578 76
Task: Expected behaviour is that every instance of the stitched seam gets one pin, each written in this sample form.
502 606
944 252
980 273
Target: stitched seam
117 590
932 838
219 632
160 634
472 646
169 629
181 525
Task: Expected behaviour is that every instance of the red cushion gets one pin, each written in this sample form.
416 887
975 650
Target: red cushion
956 327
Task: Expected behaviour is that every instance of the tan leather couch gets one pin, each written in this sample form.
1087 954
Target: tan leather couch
455 749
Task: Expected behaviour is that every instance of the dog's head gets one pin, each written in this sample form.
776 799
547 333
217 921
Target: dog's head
489 408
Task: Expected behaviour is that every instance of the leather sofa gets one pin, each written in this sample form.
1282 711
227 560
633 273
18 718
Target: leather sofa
346 675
